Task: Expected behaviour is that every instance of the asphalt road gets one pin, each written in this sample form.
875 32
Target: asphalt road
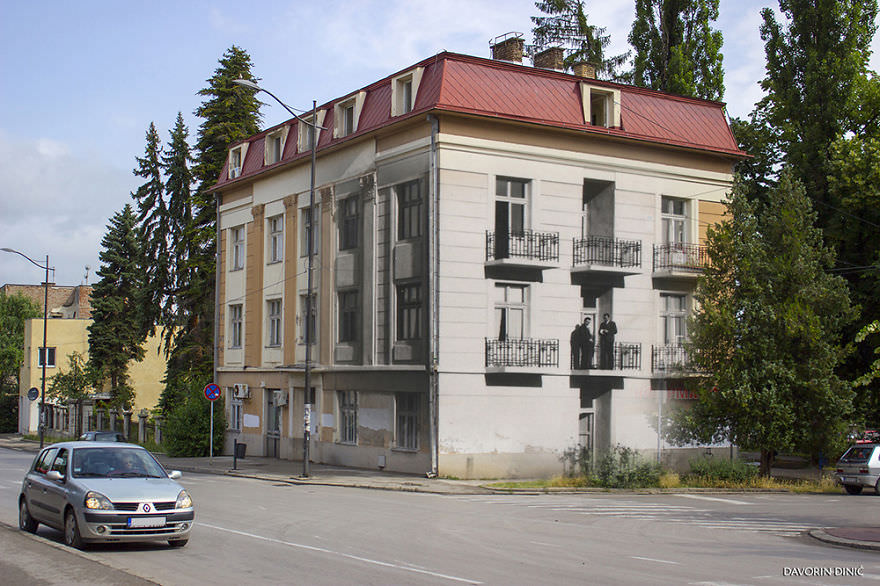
255 532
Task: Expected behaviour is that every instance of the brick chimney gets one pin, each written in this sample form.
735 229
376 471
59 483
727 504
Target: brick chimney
551 58
508 47
587 70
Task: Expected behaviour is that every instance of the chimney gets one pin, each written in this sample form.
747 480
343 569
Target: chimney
508 47
551 58
584 69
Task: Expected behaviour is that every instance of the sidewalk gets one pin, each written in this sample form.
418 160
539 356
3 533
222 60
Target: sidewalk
290 472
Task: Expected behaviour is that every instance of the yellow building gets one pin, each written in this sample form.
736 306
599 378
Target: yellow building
63 337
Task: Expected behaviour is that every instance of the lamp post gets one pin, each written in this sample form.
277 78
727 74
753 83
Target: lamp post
42 425
313 126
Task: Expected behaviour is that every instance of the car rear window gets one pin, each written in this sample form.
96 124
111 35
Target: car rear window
859 453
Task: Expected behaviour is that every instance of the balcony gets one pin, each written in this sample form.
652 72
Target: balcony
523 249
671 360
521 355
627 356
600 254
679 260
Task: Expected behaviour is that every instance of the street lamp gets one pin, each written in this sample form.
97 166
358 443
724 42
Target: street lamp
42 425
313 126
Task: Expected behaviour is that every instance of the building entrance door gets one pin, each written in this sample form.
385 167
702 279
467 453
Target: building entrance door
273 424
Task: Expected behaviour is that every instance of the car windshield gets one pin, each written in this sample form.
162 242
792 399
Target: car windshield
115 463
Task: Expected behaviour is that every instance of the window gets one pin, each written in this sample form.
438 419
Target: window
234 414
673 318
348 316
308 130
409 311
601 105
599 109
60 463
348 225
235 313
43 352
276 239
235 157
347 119
406 97
310 322
510 311
348 423
404 91
409 211
407 432
511 218
237 254
274 147
274 311
42 464
674 216
306 232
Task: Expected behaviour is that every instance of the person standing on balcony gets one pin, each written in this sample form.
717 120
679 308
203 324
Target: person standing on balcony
607 331
582 346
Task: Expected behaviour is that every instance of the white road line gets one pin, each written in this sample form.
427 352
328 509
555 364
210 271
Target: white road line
713 498
635 557
345 555
544 544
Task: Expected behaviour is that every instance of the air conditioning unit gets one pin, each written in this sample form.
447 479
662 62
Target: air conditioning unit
240 391
280 398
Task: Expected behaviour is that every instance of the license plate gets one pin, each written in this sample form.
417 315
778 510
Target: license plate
141 522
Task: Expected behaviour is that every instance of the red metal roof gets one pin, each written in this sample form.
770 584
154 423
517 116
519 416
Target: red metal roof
497 89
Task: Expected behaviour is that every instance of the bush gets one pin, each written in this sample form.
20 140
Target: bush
8 411
186 431
623 467
722 470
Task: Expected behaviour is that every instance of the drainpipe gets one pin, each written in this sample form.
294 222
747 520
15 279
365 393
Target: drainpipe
434 295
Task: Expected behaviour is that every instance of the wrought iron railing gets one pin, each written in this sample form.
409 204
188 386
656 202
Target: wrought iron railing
625 356
671 359
691 258
539 246
610 252
522 352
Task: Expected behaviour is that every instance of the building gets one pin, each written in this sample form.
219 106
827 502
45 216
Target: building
470 213
68 302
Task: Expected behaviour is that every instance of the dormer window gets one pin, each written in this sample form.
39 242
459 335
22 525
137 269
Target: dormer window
601 106
346 115
304 142
275 146
348 120
404 90
236 156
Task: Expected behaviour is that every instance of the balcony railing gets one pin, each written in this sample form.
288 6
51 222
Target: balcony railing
671 359
626 356
610 252
528 245
522 352
688 258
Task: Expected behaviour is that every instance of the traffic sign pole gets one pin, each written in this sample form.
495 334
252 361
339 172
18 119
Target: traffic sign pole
212 393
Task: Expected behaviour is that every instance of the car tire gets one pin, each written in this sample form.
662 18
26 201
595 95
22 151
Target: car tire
25 521
852 489
71 531
177 542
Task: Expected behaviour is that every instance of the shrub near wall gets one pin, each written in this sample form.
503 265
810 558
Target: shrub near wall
714 471
188 426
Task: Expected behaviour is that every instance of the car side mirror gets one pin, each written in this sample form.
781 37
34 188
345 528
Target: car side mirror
55 475
175 474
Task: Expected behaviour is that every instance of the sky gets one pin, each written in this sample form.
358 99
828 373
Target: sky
80 83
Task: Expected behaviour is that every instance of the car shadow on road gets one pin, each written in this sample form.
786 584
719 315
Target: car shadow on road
56 536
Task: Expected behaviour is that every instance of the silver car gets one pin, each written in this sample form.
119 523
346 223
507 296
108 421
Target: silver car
860 467
103 491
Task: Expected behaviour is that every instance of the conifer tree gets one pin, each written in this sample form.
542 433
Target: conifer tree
566 25
116 336
676 49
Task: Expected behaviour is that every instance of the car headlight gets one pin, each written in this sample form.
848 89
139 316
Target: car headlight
96 500
183 501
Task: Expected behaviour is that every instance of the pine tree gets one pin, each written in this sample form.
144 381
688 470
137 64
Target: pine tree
566 25
676 49
116 336
766 328
153 231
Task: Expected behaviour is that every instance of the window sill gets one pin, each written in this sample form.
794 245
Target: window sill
236 269
405 450
275 262
346 444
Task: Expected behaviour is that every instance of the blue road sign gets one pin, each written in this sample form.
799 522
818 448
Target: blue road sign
212 392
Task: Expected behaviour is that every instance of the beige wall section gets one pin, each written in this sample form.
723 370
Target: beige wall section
710 213
555 138
146 376
221 285
324 283
253 327
237 194
291 297
402 136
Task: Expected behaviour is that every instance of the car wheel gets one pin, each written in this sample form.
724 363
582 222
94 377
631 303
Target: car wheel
25 521
71 531
177 542
852 489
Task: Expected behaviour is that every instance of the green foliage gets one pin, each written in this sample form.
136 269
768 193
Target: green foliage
874 370
676 49
620 467
14 311
74 382
766 324
713 470
188 427
8 410
116 337
566 25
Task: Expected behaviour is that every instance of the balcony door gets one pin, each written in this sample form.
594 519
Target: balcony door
511 214
511 312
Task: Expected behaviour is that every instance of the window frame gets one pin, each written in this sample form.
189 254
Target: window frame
274 322
407 421
236 161
306 223
348 312
236 325
410 225
674 225
276 238
235 413
347 403
43 352
409 311
349 222
506 306
236 248
670 316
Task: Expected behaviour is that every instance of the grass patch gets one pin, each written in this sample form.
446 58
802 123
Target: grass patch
672 481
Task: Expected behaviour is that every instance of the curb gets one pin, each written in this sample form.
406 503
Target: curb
821 535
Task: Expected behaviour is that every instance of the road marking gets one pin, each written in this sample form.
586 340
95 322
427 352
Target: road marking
345 555
635 557
713 498
544 544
